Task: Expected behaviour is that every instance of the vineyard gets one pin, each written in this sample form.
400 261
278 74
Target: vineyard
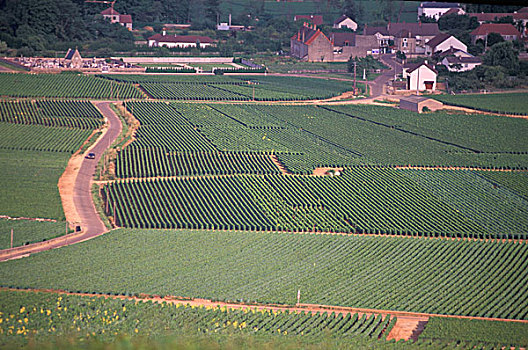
71 114
499 334
28 231
64 85
512 103
43 314
361 200
475 278
29 185
239 88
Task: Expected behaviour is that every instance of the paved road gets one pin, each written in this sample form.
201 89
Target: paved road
91 224
376 86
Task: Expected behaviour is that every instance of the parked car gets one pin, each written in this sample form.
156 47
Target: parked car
90 155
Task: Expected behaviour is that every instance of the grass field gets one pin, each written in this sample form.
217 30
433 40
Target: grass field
515 103
29 183
422 275
27 231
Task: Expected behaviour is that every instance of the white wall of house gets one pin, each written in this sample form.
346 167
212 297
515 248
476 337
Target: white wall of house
424 74
435 13
346 23
464 66
446 45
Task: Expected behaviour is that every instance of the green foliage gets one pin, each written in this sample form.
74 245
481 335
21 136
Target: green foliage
45 314
72 114
503 54
501 334
366 63
325 204
29 183
28 231
421 275
514 103
64 85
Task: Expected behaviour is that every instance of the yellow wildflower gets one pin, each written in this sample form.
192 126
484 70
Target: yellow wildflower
22 310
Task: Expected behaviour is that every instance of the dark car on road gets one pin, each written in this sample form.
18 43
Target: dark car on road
90 155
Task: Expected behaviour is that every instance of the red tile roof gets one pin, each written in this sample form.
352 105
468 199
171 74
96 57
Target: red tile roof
315 19
489 17
307 34
110 12
437 40
125 19
500 28
413 66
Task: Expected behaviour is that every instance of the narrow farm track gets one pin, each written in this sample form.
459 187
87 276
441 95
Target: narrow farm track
90 222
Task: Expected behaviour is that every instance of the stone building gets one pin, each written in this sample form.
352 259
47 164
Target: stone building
311 44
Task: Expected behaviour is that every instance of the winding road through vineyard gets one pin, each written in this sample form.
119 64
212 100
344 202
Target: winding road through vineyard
91 223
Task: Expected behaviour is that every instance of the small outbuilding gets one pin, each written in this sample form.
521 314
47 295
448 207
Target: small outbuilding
418 103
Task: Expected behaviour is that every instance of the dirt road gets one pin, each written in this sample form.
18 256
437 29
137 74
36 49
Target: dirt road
90 223
376 86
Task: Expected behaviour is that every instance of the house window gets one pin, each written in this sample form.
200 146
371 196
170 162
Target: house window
429 85
404 44
347 43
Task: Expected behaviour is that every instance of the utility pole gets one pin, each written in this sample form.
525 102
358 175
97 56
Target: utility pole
355 64
298 296
11 238
418 83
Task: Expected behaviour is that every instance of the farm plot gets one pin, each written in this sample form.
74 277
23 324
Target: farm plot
363 200
29 183
473 196
28 231
239 88
516 182
435 276
485 333
370 138
71 114
483 133
513 103
45 314
41 138
64 85
156 161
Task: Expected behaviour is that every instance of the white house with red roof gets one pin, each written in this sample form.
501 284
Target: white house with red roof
420 76
506 30
179 41
443 42
116 17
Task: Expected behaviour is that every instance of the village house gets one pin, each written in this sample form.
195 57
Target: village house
420 76
506 30
436 9
311 44
179 41
347 44
313 19
519 18
116 17
345 22
461 64
400 33
443 42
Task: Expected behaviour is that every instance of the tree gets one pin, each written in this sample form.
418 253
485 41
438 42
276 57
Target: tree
401 55
3 48
353 9
494 38
503 55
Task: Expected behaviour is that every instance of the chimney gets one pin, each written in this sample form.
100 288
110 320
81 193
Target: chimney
164 33
303 37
